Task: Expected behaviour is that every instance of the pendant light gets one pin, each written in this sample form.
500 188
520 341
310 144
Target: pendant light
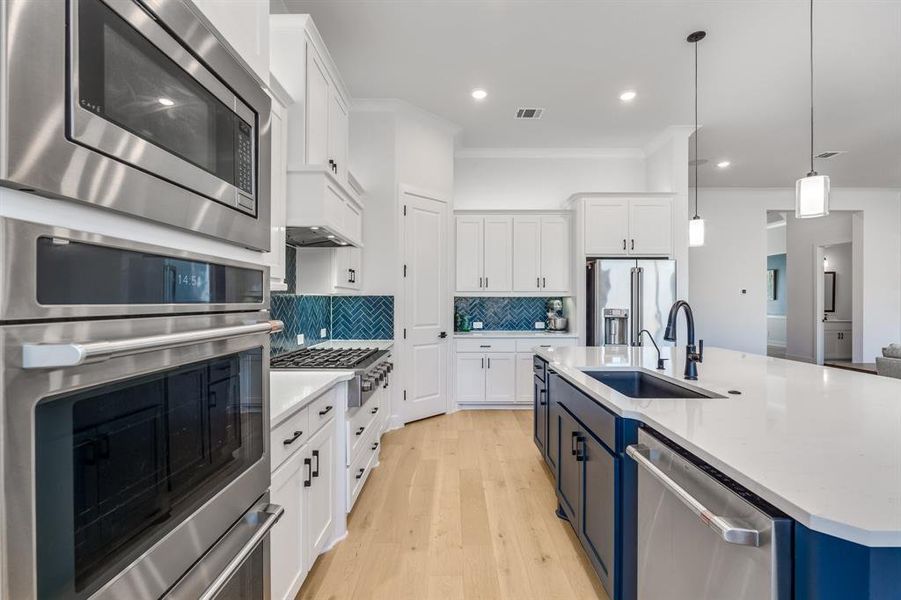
696 224
812 191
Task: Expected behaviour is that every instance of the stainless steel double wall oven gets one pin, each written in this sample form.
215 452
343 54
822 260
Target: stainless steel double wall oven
135 106
133 391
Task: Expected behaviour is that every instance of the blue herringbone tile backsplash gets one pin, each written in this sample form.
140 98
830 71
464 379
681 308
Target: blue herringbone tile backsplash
503 314
343 318
363 317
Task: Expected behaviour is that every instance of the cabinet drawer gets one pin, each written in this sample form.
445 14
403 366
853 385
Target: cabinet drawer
288 437
598 419
530 345
486 345
357 474
322 409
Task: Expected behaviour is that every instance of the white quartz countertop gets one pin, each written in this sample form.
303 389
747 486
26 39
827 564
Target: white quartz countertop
822 444
289 391
539 333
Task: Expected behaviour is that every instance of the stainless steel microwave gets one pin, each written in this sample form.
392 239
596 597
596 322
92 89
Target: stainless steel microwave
135 106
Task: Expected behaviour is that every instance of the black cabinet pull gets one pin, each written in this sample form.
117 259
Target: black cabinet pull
624 243
325 410
483 362
543 282
375 445
484 345
316 456
538 282
573 442
360 473
633 243
375 410
309 465
580 449
293 438
480 282
489 362
541 394
360 430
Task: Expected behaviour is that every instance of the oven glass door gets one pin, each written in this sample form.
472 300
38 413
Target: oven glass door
136 86
119 465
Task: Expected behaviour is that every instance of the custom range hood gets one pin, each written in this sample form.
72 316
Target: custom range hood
321 212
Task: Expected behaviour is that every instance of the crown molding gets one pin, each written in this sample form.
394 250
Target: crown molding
549 153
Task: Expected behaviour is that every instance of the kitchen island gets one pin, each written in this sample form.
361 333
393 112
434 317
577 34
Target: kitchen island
821 445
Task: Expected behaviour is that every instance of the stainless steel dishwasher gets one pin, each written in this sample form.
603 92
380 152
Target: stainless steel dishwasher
700 534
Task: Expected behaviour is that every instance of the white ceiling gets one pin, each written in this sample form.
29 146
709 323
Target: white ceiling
573 58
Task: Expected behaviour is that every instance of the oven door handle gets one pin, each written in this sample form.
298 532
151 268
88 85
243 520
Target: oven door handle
51 356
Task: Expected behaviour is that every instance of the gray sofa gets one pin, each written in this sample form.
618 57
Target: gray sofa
889 364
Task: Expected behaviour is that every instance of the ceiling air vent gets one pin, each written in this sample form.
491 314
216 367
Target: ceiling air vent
829 154
529 113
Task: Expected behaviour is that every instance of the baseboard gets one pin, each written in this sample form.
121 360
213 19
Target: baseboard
498 406
776 344
799 358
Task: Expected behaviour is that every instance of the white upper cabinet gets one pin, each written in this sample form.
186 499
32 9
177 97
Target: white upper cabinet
278 137
526 254
554 263
470 252
338 132
245 26
498 251
318 101
634 226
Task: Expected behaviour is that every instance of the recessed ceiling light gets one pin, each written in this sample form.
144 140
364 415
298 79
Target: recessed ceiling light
723 164
166 101
479 94
628 96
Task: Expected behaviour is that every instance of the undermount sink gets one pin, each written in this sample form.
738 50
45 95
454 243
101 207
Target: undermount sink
637 384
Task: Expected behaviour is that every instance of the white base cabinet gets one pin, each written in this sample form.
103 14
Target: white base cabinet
498 371
306 485
837 341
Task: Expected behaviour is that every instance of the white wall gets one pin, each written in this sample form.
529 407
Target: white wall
536 180
734 258
803 236
775 240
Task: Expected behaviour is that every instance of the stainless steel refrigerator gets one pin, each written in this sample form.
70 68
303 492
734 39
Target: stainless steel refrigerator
626 296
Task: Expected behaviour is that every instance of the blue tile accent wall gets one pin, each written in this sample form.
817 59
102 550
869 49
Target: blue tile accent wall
343 317
503 314
363 317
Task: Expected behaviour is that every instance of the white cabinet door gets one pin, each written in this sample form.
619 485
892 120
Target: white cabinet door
470 251
606 226
318 100
498 254
555 267
275 258
245 25
337 134
320 451
526 254
470 377
353 220
287 566
343 268
524 378
500 377
651 226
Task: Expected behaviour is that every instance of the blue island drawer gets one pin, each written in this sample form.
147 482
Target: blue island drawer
595 417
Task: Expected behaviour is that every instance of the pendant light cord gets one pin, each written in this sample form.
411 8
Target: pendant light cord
696 130
812 172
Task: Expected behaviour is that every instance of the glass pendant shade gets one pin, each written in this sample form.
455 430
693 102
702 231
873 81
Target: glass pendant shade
812 196
696 232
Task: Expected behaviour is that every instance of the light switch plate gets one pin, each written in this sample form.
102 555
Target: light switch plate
300 339
539 324
477 325
323 332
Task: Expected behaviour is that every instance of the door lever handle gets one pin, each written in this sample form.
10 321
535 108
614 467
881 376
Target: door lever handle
442 335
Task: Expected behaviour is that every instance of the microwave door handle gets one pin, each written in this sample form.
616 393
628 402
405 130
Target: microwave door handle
729 532
51 356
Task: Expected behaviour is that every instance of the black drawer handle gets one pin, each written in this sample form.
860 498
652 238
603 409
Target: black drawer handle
573 442
580 449
541 394
360 474
375 445
325 410
309 465
316 456
293 438
360 430
485 346
375 410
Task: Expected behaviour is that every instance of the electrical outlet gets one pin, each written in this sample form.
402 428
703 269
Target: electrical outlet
539 324
478 325
300 339
323 333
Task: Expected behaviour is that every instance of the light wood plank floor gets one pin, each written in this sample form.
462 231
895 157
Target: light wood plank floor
460 507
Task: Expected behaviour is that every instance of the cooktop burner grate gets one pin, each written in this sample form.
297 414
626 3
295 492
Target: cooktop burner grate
323 358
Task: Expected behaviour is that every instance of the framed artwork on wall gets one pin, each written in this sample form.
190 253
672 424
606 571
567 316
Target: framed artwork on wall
771 284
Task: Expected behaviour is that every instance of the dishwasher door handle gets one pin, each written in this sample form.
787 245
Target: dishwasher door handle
730 533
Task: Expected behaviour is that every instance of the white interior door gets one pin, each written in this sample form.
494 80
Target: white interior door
426 307
526 254
498 252
555 265
470 253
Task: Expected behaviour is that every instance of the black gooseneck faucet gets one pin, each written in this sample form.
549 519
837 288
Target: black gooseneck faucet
693 355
